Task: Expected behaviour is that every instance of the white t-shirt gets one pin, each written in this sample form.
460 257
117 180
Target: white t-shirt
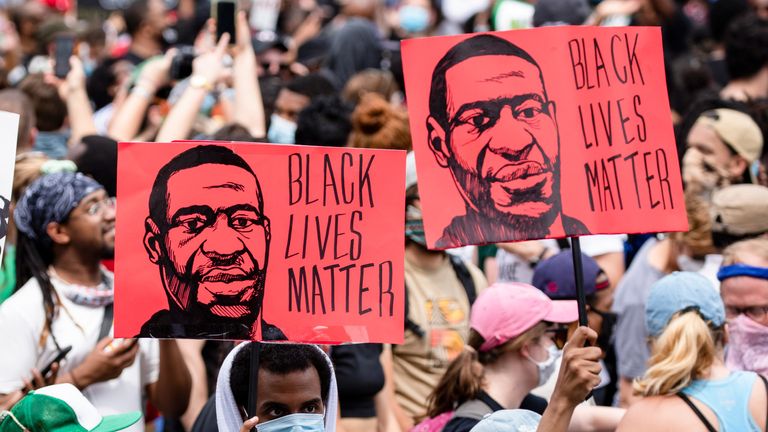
512 268
21 324
513 15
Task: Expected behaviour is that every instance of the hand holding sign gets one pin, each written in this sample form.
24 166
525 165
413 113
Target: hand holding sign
580 368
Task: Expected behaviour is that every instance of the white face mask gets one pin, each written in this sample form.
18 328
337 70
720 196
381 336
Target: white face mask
294 423
547 367
281 131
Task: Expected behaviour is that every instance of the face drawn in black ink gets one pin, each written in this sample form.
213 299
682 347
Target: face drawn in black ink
494 127
209 236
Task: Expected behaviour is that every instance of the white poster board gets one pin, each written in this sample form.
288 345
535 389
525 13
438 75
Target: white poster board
9 129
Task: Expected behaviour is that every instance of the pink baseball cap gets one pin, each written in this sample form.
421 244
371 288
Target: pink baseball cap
506 310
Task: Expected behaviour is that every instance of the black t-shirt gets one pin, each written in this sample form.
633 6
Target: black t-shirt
465 424
360 377
206 420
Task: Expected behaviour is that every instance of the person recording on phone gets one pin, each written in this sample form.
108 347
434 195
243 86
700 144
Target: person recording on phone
64 299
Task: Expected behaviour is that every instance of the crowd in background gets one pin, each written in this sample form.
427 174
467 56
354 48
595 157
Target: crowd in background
678 322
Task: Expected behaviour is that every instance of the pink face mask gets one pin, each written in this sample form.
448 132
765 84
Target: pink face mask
748 345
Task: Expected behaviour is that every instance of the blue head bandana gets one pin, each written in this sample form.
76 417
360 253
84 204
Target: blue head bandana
734 270
50 199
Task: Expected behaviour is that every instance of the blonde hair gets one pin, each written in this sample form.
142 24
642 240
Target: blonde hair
465 377
377 124
734 253
28 168
683 352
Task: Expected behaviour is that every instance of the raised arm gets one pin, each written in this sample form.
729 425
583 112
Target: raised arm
72 91
206 71
249 107
127 120
579 374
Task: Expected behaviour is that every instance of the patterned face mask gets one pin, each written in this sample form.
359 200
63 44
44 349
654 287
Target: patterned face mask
414 226
747 345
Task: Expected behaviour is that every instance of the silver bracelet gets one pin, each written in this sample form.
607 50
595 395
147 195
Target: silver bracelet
141 91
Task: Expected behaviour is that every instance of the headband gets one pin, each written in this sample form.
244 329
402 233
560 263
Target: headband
734 270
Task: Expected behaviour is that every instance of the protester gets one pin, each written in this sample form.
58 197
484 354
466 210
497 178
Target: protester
510 352
377 124
723 145
15 101
555 277
50 114
686 319
564 413
291 99
61 407
440 289
29 167
744 290
746 56
370 81
66 226
296 388
737 214
324 122
658 256
364 403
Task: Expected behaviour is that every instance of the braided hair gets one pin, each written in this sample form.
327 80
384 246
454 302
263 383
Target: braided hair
33 262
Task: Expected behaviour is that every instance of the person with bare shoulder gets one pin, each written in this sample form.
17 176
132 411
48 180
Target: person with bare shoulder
687 385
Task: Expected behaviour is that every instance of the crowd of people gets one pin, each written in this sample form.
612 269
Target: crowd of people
677 334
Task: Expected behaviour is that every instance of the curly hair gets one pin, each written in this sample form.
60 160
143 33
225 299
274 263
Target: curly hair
377 124
746 46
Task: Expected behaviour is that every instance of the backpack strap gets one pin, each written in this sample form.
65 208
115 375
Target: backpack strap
409 323
696 411
474 409
465 278
106 322
462 272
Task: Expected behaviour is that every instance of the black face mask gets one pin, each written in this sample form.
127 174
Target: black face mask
606 329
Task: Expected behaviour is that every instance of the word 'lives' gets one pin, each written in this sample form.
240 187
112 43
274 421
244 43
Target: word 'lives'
339 278
618 123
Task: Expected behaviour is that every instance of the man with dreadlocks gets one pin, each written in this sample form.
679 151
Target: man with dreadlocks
66 226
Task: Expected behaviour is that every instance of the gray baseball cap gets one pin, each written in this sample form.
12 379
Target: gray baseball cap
513 420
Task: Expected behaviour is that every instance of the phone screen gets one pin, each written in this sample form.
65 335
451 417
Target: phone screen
64 46
225 19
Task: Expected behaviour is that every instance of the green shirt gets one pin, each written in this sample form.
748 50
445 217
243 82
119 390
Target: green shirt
8 273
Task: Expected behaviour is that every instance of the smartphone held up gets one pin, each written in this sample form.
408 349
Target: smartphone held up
223 11
64 47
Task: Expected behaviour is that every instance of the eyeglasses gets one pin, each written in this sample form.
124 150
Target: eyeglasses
756 313
98 207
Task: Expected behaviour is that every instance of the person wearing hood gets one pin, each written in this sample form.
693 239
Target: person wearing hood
296 391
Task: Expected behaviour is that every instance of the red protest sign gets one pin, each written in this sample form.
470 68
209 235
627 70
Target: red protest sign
259 241
543 133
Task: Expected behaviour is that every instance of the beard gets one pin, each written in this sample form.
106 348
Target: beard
188 294
476 192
